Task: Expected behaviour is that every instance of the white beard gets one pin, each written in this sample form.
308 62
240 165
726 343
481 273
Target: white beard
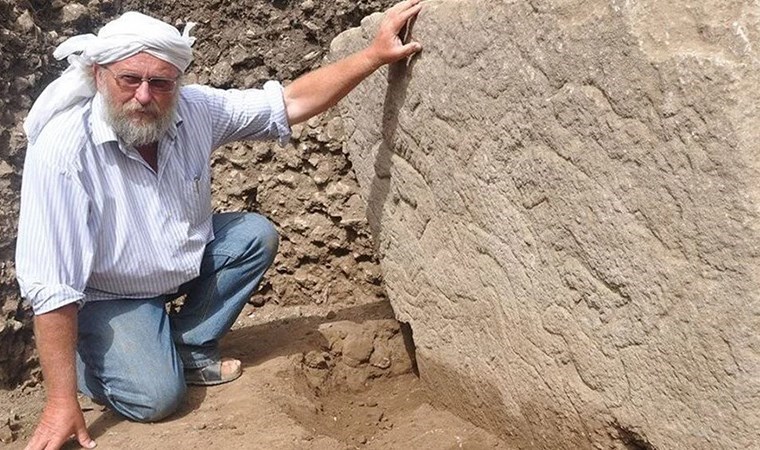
138 131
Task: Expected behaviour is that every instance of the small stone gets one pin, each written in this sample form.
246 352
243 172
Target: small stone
311 55
5 169
322 136
319 199
321 177
21 84
73 13
6 435
311 26
315 360
353 211
258 301
335 129
25 22
15 325
288 179
221 74
382 364
296 131
238 55
357 348
338 190
307 5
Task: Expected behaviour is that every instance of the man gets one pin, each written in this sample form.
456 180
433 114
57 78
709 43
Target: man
116 215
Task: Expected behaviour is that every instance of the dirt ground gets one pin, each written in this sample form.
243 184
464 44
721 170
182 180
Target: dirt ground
279 402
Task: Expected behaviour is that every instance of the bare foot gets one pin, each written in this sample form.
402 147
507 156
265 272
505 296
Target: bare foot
228 369
230 366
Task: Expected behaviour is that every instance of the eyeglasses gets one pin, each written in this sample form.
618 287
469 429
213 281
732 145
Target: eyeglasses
130 81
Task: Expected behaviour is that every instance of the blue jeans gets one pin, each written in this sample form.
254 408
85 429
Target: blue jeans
131 354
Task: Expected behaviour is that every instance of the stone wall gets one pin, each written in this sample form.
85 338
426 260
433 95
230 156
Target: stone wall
565 197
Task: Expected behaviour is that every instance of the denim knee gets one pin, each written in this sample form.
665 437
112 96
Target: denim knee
263 235
152 403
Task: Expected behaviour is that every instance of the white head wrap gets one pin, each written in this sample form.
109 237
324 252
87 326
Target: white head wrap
119 39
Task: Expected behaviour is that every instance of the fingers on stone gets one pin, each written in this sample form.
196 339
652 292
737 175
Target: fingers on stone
402 6
409 13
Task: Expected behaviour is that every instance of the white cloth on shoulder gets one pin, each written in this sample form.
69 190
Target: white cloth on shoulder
119 39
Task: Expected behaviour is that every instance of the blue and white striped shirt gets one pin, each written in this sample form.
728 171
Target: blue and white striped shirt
97 223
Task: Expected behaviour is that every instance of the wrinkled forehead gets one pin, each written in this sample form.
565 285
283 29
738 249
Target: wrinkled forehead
146 64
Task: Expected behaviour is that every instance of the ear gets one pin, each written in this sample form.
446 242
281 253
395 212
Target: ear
97 76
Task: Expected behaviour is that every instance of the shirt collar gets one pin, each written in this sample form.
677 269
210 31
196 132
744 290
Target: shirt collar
102 131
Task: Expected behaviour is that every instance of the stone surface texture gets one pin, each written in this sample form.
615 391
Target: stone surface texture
565 198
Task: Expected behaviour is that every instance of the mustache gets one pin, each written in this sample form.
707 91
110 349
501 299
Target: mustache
134 106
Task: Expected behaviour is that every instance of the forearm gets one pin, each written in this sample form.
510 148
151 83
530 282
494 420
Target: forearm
317 91
321 89
56 336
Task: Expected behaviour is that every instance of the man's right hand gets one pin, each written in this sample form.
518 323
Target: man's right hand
56 335
61 419
387 47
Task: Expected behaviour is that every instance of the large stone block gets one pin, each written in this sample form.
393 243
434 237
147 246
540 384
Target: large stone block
565 197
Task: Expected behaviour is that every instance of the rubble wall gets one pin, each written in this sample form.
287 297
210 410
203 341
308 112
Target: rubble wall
565 197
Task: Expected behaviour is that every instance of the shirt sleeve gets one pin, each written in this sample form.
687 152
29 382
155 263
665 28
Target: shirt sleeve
251 114
54 250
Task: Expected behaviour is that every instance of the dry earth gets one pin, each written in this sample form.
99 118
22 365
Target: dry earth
299 389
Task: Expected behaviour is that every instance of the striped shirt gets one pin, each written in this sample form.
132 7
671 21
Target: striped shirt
98 223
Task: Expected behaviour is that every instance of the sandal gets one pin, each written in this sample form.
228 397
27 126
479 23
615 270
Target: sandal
210 375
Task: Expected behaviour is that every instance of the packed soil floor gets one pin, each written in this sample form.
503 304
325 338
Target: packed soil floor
274 405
